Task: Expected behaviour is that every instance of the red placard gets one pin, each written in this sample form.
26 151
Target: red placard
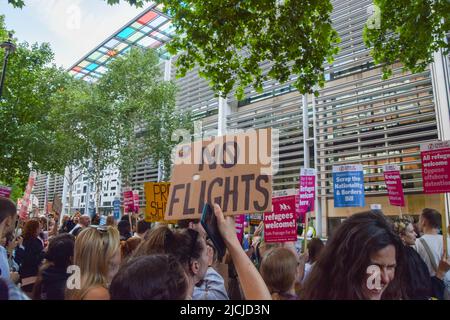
136 201
307 192
436 167
23 213
280 225
128 202
394 185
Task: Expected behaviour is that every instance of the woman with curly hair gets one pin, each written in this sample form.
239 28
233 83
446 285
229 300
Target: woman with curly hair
361 261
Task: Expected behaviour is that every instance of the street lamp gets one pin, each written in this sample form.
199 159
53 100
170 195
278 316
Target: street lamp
9 49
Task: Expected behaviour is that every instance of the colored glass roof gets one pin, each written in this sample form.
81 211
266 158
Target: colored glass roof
150 29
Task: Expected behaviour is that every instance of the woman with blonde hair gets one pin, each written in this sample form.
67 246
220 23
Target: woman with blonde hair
280 270
97 254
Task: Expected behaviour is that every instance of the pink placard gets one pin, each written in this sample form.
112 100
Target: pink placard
240 225
128 202
23 213
436 167
136 201
394 185
280 225
306 193
5 191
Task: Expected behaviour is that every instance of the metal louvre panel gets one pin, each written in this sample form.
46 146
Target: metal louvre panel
388 125
283 113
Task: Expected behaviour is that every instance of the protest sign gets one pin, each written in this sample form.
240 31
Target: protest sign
394 185
436 167
23 213
436 174
280 225
136 201
57 204
116 205
307 192
348 185
5 191
128 202
156 195
233 171
239 222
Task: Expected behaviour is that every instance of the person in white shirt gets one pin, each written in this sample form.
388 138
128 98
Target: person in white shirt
429 224
431 249
85 221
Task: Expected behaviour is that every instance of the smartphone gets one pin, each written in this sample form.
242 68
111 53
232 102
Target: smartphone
209 223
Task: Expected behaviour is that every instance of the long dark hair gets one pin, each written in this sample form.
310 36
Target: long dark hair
341 268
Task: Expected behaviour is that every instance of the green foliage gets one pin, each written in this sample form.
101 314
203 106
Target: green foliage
144 109
409 32
230 39
17 3
31 94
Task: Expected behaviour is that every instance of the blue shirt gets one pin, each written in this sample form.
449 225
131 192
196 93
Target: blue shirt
212 287
4 265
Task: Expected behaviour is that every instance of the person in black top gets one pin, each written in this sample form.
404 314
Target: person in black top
124 230
417 281
52 278
31 256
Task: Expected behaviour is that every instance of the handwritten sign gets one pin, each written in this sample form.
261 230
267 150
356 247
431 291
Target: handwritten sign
394 185
156 195
280 225
436 167
348 185
233 171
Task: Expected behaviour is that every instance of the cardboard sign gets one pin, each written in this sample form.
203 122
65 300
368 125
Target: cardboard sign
281 225
233 171
348 185
23 212
136 201
239 222
57 204
394 185
116 205
156 196
307 192
436 167
5 191
128 201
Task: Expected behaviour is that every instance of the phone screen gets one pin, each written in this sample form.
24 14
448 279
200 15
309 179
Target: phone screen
209 223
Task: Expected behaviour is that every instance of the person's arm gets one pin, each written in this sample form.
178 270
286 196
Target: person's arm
251 281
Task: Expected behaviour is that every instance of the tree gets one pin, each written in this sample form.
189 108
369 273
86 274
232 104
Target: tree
29 137
144 110
229 40
71 148
409 32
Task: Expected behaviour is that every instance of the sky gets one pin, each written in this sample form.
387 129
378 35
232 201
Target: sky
72 27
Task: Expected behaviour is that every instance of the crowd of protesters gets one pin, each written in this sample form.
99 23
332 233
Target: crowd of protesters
131 259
